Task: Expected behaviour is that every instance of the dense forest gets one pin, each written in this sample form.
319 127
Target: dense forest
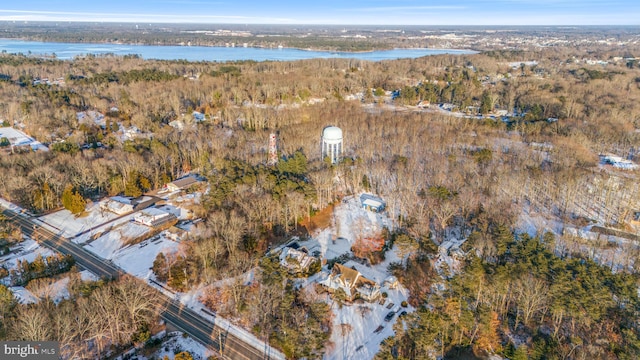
540 297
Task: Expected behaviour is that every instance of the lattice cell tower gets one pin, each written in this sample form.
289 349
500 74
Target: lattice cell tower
273 150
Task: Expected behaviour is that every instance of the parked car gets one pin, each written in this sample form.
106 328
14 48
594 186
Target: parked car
390 305
389 316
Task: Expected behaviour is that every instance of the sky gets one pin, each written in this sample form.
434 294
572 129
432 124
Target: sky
341 12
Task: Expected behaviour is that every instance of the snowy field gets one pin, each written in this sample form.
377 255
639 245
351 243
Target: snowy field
69 225
19 138
115 237
27 250
534 223
87 275
174 343
350 222
137 259
23 296
56 291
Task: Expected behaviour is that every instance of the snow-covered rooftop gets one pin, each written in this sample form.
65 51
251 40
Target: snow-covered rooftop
19 138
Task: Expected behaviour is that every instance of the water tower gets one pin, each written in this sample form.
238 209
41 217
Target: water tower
332 143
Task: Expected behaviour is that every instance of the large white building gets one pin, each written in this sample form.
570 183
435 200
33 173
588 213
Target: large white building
332 146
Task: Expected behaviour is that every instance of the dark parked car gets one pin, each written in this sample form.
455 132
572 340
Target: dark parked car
389 316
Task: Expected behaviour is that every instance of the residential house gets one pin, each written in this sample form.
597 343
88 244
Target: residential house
424 104
144 202
372 203
618 162
198 116
174 233
296 260
352 283
153 217
117 205
181 184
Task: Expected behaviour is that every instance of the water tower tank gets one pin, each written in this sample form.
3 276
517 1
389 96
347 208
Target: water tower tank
332 143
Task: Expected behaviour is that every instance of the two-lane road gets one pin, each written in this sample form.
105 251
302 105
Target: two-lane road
175 313
56 242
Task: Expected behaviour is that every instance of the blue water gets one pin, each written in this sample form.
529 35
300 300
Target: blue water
66 51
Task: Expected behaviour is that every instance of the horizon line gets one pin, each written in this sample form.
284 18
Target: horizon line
302 23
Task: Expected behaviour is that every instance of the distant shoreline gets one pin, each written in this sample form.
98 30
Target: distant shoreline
229 53
239 45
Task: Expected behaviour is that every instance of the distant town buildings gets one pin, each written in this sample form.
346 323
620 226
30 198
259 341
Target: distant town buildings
618 162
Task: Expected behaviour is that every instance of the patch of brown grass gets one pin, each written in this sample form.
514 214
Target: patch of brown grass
320 220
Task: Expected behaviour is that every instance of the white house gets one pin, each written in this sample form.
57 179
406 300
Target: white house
618 162
372 203
152 217
117 205
19 140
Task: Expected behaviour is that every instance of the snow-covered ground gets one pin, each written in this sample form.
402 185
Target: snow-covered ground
27 250
56 291
69 225
173 343
8 205
360 339
19 138
176 343
350 222
86 275
23 296
356 333
114 238
608 250
535 223
137 259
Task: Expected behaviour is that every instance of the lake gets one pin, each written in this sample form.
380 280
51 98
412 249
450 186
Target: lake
66 51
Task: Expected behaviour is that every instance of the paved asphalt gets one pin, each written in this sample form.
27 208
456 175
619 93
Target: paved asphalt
176 314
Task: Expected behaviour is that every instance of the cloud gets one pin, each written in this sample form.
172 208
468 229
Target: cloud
407 8
32 15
